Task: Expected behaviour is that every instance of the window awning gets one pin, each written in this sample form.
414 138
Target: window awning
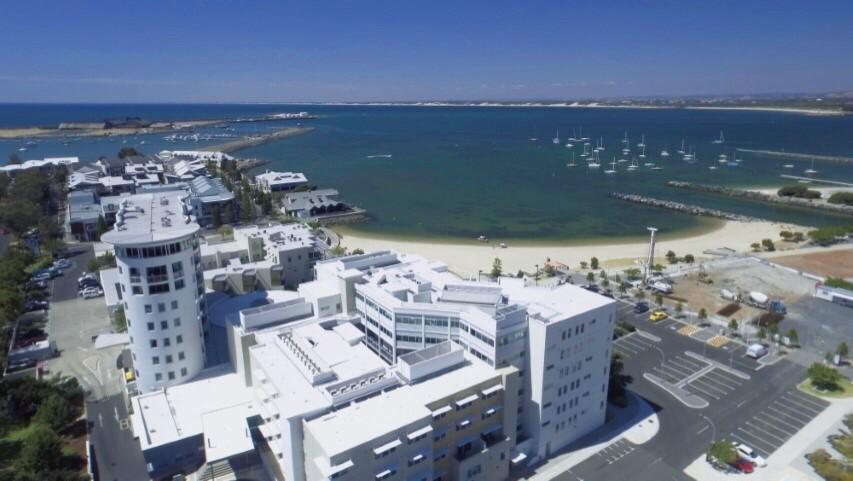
467 400
417 458
464 423
442 410
419 432
491 390
387 446
492 429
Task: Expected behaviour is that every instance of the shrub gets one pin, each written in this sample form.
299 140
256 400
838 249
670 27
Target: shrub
824 377
41 451
723 451
845 198
799 191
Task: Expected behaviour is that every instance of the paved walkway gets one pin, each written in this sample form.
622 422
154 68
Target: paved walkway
784 464
637 424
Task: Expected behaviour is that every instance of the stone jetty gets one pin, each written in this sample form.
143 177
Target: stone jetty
829 159
686 208
762 197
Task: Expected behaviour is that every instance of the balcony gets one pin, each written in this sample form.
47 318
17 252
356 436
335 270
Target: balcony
135 279
157 279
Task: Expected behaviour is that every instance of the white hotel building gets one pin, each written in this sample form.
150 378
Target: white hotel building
156 244
558 338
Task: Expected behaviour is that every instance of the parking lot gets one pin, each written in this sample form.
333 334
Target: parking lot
776 423
715 384
616 451
633 344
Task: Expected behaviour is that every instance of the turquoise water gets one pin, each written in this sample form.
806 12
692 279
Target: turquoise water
462 172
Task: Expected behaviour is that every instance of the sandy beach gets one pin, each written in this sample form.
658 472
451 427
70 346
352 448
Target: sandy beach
467 258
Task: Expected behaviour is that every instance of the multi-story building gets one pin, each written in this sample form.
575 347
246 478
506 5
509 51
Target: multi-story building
271 181
158 260
558 337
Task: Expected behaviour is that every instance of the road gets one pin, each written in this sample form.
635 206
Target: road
117 454
685 433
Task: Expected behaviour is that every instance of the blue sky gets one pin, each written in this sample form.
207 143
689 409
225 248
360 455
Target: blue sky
251 51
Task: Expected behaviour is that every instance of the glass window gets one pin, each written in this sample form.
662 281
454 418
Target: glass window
158 376
148 309
155 360
181 356
161 307
179 284
169 359
179 339
171 375
167 342
150 326
137 290
183 372
153 342
164 324
177 322
174 305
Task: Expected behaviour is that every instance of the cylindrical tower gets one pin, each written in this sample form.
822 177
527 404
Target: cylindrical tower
158 259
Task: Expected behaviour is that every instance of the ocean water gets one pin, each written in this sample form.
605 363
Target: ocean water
460 172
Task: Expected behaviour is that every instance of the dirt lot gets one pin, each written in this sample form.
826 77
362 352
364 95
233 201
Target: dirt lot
837 263
742 276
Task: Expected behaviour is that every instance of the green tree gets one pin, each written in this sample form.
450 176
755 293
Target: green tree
357 252
583 265
602 274
755 246
689 259
605 282
41 450
227 232
640 294
19 215
703 314
768 245
723 451
632 273
101 228
842 350
229 214
338 251
497 268
593 263
793 337
127 152
658 299
671 257
733 325
824 377
762 333
590 277
54 412
657 268
121 320
617 381
14 159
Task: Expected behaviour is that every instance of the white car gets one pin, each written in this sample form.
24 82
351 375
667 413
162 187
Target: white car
90 292
750 455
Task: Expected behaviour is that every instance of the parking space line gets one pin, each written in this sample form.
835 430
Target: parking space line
751 444
693 386
719 385
709 386
787 415
790 412
810 410
669 377
639 345
692 362
624 348
765 431
725 378
642 340
807 399
624 354
675 369
758 440
634 344
775 425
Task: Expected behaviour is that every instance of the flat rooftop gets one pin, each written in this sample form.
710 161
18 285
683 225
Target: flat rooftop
165 416
151 217
363 422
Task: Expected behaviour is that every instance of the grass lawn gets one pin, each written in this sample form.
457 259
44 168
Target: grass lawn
846 390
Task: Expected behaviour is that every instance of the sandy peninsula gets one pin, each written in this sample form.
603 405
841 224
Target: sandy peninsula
467 258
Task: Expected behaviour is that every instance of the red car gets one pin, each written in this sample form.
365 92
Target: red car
744 466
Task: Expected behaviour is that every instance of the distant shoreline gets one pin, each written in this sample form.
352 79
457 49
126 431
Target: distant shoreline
591 105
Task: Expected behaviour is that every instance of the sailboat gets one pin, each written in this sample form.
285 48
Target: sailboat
657 167
570 145
724 159
573 138
601 144
710 167
595 163
734 154
689 156
625 140
643 153
633 165
681 150
720 140
557 138
664 152
788 166
811 171
612 169
572 163
642 143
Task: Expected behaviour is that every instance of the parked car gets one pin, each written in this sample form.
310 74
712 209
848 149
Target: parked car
91 292
62 264
744 466
641 307
87 275
32 285
657 316
35 305
756 351
750 455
